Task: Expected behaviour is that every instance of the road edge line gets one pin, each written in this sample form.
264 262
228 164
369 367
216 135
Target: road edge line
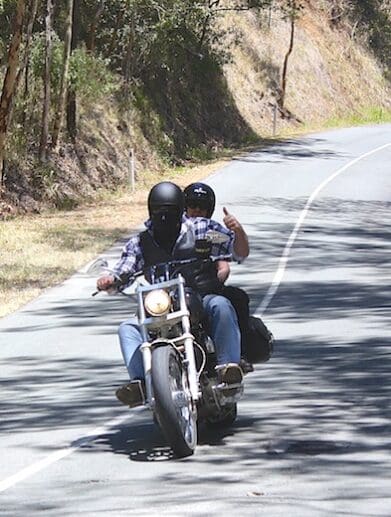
36 467
279 274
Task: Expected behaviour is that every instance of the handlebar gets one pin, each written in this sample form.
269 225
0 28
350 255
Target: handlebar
125 279
121 281
183 262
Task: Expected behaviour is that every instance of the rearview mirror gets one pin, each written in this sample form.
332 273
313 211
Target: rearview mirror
216 237
97 266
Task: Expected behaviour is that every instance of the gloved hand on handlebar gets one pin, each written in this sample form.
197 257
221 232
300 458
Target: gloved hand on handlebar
106 282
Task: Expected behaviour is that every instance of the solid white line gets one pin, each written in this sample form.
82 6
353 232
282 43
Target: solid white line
60 454
285 254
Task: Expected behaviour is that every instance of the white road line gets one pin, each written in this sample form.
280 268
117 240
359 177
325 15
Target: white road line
60 454
285 254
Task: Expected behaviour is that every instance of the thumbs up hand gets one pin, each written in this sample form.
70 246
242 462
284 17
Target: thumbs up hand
241 247
230 221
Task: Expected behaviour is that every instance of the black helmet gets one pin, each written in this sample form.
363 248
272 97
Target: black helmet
201 195
166 195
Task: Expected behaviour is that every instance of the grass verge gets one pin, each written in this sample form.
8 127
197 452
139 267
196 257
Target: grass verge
40 251
366 116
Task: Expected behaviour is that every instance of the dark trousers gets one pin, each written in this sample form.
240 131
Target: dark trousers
240 302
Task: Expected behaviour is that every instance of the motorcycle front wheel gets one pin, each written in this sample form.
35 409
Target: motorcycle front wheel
174 407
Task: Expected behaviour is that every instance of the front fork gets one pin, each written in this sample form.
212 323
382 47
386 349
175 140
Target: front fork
190 363
146 351
187 340
189 350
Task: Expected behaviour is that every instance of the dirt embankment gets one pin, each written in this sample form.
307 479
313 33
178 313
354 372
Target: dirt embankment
331 75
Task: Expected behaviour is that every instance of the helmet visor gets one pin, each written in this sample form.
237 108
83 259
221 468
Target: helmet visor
168 210
203 204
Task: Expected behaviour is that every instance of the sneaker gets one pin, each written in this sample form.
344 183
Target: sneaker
132 394
230 373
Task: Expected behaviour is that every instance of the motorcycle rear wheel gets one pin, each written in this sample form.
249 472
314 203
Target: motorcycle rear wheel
174 408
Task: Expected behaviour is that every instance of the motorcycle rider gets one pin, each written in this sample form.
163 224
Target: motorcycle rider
171 235
200 201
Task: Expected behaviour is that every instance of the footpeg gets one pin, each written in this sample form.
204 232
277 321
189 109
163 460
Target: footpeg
228 393
227 387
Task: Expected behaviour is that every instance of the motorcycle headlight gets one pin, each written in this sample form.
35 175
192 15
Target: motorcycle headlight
157 303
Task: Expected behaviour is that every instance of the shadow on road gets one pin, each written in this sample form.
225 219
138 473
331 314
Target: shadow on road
49 394
315 398
290 149
144 441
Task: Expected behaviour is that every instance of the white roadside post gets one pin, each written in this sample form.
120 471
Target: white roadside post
274 118
131 169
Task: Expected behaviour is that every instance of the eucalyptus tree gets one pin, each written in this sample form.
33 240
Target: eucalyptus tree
24 68
9 84
58 119
43 148
291 10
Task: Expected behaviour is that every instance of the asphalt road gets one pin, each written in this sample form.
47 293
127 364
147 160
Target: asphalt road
313 433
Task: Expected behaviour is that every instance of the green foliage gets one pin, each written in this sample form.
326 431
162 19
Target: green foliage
375 17
152 125
145 34
16 143
7 12
370 23
37 59
44 178
90 75
202 153
46 185
369 115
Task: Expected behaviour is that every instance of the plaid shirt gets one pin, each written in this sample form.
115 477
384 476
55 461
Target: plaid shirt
132 259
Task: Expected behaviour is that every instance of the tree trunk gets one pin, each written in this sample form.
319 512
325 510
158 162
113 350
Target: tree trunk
92 29
32 9
25 66
71 115
285 66
43 149
71 111
10 79
128 58
114 35
64 78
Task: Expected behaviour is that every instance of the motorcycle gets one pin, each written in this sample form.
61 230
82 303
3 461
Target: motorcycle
181 382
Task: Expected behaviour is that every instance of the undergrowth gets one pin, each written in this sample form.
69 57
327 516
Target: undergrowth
370 115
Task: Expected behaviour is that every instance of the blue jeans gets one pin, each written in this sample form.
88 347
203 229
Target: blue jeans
222 325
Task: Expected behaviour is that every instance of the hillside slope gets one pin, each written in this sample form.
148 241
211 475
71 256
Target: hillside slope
206 106
330 74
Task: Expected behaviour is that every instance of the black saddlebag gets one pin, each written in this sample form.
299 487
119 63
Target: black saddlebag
257 346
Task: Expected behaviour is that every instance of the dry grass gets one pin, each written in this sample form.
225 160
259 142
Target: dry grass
39 251
330 75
